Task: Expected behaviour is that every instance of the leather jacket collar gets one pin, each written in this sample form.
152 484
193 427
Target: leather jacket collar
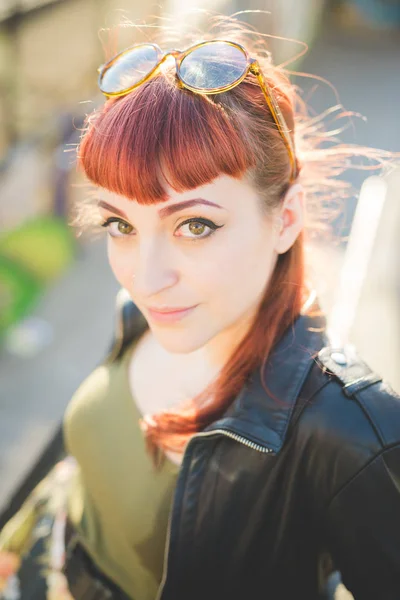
261 414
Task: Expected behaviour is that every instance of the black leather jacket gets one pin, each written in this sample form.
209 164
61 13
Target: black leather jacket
275 494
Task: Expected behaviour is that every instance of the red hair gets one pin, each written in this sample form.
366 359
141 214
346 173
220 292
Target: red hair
159 133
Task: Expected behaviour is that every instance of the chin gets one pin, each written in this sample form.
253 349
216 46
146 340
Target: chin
179 342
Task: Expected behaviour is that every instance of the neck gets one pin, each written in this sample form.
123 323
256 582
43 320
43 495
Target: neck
219 349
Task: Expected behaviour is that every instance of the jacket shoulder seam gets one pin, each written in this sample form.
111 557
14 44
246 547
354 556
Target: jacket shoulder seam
345 365
369 462
356 379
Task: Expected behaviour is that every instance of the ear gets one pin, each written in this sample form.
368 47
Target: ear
291 217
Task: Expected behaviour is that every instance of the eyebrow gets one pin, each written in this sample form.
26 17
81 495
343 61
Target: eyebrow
163 212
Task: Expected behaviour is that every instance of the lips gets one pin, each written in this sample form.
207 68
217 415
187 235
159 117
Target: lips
169 310
170 315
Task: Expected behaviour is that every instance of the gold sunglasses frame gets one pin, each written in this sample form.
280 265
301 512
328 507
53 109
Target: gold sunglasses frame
252 66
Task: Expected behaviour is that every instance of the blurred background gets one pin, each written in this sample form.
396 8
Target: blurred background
56 290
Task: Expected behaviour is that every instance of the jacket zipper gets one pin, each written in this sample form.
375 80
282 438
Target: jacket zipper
227 433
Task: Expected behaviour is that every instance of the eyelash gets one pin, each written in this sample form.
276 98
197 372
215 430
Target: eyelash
205 222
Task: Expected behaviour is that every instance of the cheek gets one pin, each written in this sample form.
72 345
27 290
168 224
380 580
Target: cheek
120 264
238 272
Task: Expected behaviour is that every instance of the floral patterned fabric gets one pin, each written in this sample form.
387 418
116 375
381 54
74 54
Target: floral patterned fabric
32 547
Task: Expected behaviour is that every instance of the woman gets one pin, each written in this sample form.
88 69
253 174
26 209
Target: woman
223 448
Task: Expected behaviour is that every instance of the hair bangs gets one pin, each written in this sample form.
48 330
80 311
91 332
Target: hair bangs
160 134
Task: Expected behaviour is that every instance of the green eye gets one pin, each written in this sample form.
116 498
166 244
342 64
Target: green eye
122 228
197 227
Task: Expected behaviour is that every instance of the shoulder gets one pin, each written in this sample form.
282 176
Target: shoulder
95 398
84 405
351 419
358 395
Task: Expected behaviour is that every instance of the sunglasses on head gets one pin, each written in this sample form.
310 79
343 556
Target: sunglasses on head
209 67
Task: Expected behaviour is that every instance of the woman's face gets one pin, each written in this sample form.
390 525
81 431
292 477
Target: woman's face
210 248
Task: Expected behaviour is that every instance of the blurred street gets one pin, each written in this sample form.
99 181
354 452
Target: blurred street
364 68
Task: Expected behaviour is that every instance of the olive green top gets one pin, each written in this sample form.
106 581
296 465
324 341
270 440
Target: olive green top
119 504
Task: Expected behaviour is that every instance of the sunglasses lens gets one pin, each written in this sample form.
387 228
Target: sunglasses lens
213 66
129 69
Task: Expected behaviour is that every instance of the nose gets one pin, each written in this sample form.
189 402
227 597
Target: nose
156 270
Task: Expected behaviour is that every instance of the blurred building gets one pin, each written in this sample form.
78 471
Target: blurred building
49 53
